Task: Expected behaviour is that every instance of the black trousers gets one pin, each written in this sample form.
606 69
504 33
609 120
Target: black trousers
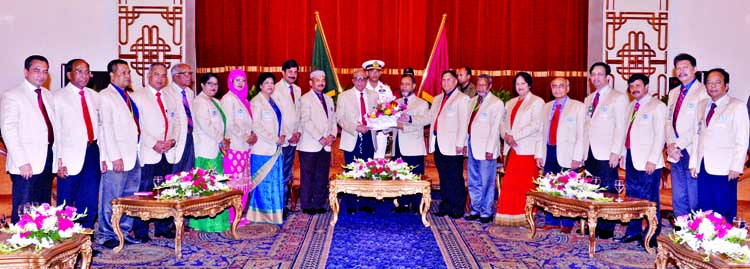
452 182
608 176
314 171
82 190
413 200
148 172
38 188
363 149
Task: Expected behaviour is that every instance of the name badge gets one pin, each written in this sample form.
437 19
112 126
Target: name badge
691 106
213 113
569 119
604 109
239 112
266 115
645 117
723 118
483 116
171 114
451 110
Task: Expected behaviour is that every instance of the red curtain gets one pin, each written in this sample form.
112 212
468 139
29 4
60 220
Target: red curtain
545 37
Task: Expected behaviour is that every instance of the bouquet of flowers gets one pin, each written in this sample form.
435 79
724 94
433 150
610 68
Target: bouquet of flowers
194 183
378 169
42 226
385 115
570 184
711 232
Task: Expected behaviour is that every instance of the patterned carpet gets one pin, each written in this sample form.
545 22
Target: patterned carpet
380 240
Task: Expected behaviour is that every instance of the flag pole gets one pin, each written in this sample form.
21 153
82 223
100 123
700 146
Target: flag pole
328 51
432 53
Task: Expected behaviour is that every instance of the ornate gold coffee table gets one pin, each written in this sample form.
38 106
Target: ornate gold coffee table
685 257
62 255
380 189
147 207
630 208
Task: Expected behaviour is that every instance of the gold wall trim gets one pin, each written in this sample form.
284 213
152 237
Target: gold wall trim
392 71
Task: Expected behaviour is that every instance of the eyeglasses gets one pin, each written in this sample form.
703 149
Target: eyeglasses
185 73
360 79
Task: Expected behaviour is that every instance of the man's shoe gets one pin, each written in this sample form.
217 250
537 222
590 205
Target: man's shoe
110 243
309 211
320 210
548 227
605 234
351 211
485 220
471 217
455 216
285 213
143 239
585 231
566 230
440 214
95 253
367 209
401 209
167 235
129 240
629 238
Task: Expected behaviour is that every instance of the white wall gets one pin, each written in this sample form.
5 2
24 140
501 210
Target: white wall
717 33
58 30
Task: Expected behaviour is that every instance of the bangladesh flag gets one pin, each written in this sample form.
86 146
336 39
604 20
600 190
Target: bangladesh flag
321 59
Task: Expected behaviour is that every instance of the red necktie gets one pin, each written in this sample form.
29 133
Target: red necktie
553 126
710 113
514 111
632 119
474 113
43 108
163 114
677 108
442 103
596 103
87 118
362 109
291 92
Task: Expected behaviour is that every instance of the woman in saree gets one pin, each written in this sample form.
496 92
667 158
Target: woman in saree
523 131
266 201
210 143
239 121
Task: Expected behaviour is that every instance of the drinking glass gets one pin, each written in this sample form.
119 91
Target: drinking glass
738 222
596 181
158 181
620 187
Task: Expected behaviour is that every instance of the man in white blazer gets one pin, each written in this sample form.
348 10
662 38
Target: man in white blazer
120 136
287 95
718 153
158 138
561 146
79 159
605 134
319 130
642 155
682 109
357 141
28 125
485 125
449 116
182 157
409 144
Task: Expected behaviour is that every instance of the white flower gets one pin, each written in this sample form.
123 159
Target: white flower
707 229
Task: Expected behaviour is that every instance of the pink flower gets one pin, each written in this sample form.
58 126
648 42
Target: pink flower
25 234
699 236
693 225
39 221
65 224
69 211
572 174
168 177
559 187
399 161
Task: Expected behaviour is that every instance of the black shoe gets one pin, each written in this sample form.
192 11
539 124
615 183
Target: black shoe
471 217
677 228
167 235
367 209
110 244
402 209
320 210
455 216
143 239
285 213
130 240
585 231
604 234
351 211
628 238
415 209
440 214
485 220
309 211
95 253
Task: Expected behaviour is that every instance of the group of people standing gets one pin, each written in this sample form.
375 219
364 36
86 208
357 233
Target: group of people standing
112 143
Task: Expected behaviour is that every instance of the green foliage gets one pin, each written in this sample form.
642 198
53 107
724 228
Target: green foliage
502 94
665 99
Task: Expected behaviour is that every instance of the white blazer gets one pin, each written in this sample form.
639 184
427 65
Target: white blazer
686 119
316 124
71 138
605 128
347 116
721 145
239 121
485 129
265 125
646 135
119 129
569 133
527 125
24 130
290 111
152 124
175 92
209 127
453 122
411 139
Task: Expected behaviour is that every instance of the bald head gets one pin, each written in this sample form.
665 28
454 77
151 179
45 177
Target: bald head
560 87
359 78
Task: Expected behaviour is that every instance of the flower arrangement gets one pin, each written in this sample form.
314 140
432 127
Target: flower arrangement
193 183
42 227
386 115
378 169
572 185
711 232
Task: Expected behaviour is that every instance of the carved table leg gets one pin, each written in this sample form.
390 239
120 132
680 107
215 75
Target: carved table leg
86 253
116 215
178 219
424 207
583 225
662 256
652 222
334 206
530 216
237 205
592 233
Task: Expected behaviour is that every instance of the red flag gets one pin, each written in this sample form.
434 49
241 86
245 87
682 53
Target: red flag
438 62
